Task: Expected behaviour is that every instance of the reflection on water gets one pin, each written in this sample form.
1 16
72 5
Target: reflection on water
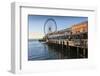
42 51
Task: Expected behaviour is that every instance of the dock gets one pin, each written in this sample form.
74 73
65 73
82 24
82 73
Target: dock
74 37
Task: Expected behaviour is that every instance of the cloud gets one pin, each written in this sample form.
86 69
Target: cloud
35 35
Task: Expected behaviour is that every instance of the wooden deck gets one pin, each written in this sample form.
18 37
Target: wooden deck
75 43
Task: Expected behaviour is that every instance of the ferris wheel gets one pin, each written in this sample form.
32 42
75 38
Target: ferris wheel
50 26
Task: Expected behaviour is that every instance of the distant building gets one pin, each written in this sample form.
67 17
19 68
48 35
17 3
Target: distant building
80 28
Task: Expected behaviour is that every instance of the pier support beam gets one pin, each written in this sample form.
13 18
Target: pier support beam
77 51
84 52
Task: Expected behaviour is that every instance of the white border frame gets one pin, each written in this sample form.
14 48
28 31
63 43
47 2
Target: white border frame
17 34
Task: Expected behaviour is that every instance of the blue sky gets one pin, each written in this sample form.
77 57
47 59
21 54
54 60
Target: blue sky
36 22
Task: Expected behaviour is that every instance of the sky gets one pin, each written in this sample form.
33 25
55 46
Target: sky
36 23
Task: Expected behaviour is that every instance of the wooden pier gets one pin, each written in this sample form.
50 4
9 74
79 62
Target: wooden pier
75 43
76 36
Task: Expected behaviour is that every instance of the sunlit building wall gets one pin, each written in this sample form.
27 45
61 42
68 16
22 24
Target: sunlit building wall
79 28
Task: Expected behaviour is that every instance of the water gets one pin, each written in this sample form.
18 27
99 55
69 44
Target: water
42 51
